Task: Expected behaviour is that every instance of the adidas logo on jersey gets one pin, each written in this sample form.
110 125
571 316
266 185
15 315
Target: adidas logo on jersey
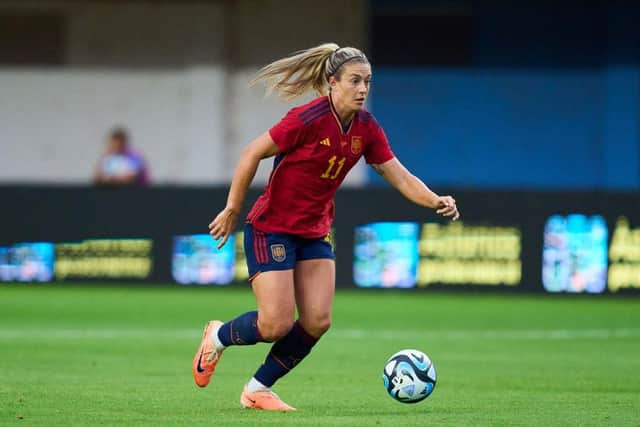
326 142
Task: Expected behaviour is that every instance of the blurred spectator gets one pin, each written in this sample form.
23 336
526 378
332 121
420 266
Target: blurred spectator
121 164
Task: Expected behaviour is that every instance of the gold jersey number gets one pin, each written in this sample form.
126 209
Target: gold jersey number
332 162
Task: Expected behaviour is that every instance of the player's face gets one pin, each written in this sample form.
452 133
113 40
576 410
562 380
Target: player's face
353 87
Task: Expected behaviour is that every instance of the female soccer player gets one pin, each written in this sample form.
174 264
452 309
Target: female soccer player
290 259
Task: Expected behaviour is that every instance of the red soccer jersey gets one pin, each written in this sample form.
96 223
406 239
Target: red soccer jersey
316 154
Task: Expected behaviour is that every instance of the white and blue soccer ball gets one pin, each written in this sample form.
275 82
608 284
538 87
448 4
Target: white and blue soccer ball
409 376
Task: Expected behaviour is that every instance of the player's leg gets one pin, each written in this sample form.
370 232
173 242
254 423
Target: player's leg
314 288
275 298
276 311
272 280
315 283
274 291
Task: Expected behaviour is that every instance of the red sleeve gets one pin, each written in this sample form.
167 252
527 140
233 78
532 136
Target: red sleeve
286 133
378 150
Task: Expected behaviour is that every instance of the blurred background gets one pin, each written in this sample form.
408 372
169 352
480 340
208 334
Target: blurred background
122 122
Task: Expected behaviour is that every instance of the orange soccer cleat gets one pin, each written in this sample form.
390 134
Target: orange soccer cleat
207 357
263 399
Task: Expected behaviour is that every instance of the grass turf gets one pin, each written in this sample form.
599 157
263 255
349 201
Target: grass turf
118 355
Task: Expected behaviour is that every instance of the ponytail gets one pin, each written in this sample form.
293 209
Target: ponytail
307 69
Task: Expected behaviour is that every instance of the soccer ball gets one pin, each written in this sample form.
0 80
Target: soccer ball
409 376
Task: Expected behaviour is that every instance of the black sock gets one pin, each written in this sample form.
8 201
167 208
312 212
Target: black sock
243 330
285 354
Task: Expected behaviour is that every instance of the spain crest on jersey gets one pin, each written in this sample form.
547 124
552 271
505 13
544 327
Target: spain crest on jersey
278 252
356 145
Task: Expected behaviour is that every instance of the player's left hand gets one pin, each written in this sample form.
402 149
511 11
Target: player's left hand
447 207
223 225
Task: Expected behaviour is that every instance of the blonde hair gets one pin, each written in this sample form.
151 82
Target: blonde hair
307 69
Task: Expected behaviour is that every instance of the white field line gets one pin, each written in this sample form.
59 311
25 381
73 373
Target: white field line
334 333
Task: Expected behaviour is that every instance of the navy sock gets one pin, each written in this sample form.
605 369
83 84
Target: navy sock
243 330
285 354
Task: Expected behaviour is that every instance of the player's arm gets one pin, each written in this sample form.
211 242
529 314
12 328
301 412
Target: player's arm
412 187
224 224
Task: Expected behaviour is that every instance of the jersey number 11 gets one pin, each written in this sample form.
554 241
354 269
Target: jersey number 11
332 162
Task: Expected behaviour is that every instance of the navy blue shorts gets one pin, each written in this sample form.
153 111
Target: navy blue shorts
280 251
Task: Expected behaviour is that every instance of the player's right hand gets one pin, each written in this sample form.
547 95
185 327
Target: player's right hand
223 225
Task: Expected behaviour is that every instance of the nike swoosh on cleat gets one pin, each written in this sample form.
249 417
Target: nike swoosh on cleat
200 368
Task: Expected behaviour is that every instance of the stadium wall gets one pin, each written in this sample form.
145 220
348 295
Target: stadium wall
55 122
174 73
526 94
514 128
549 96
507 241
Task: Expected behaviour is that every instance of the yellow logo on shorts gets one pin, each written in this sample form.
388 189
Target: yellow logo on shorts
278 252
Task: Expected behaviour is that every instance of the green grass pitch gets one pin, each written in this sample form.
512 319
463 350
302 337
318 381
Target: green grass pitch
87 355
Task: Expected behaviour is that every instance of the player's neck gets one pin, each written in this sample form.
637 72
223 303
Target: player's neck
344 114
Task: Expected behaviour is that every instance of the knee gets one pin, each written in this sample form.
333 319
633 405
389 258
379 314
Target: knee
273 329
318 325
